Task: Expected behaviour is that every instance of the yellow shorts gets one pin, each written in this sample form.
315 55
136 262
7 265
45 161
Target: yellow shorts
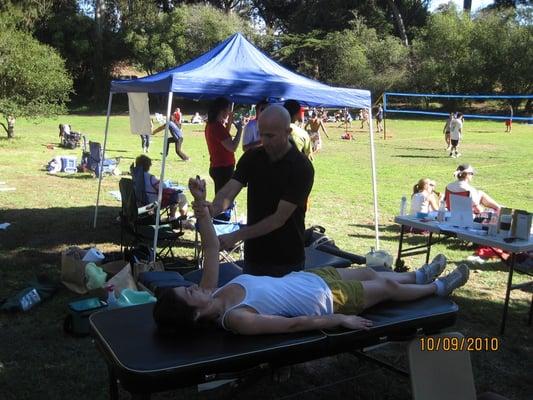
347 295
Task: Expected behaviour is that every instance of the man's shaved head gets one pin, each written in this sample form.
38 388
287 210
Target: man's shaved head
275 113
274 130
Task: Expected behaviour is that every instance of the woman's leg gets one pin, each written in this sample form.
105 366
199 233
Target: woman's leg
382 289
220 176
368 274
488 201
180 153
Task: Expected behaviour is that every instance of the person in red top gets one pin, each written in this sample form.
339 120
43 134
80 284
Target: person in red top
220 143
176 117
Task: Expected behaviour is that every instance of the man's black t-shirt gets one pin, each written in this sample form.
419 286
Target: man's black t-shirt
289 179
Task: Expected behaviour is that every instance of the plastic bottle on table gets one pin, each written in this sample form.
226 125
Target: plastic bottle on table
111 299
403 206
29 299
441 214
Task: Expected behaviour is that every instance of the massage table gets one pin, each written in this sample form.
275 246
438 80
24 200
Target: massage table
145 361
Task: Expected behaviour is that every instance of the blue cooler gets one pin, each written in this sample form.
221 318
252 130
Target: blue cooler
69 164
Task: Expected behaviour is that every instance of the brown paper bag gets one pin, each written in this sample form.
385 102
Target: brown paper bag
122 280
73 269
114 267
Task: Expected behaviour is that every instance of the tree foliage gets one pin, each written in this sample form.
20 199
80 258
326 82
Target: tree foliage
33 78
159 41
357 57
457 54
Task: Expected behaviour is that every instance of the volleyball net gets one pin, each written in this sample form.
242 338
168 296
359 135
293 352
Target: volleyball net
494 107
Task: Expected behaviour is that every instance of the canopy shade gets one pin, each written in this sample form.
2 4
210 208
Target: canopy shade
240 71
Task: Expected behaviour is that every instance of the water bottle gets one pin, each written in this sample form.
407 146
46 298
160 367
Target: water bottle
403 206
29 299
441 214
111 299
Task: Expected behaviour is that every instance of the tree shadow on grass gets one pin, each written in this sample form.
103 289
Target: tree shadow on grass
39 235
414 148
78 175
418 156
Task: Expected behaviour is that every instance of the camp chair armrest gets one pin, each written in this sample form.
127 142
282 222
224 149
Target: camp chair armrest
148 208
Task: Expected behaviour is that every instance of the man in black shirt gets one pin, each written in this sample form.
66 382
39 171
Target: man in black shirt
279 180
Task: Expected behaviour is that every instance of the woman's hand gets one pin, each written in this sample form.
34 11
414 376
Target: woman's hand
355 322
197 188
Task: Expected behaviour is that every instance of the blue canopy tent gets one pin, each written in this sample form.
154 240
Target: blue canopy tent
241 72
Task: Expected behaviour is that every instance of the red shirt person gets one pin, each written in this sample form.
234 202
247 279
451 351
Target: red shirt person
176 117
220 144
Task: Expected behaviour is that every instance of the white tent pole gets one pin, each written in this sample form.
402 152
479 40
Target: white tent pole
162 177
100 166
374 181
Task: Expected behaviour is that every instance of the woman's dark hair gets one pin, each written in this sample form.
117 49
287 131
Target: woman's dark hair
293 107
171 313
143 161
217 105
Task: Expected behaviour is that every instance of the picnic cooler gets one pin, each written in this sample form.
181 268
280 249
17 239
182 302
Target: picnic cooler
77 322
69 164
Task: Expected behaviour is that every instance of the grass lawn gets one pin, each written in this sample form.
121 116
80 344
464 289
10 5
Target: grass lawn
50 212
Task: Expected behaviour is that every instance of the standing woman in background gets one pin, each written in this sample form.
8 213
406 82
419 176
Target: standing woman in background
220 144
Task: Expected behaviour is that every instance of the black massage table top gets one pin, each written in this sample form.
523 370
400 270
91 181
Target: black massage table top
146 361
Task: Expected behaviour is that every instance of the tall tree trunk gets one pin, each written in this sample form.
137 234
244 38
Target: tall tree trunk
99 20
399 22
10 127
467 6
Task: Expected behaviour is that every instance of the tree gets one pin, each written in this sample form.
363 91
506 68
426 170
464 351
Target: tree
160 41
356 57
33 78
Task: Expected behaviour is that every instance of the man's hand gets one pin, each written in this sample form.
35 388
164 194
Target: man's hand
228 240
355 322
197 188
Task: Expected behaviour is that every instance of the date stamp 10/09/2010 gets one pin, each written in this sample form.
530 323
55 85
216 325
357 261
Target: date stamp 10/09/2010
452 343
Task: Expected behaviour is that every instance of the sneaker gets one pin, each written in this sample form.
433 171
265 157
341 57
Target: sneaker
457 154
433 269
451 155
455 279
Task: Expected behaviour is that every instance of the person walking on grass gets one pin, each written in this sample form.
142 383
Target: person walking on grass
446 132
456 131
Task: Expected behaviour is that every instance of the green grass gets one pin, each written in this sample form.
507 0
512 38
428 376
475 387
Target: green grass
48 213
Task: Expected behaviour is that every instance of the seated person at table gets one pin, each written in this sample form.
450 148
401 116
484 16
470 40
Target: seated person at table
171 197
464 174
304 300
424 199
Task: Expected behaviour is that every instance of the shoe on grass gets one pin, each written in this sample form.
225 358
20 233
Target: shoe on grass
429 272
455 279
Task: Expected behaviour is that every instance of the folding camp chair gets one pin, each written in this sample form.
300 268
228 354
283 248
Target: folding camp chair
141 191
108 165
139 223
448 193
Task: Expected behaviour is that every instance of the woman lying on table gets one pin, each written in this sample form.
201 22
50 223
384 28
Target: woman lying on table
316 299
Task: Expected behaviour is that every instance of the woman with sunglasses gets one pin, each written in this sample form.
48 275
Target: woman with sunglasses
424 199
464 174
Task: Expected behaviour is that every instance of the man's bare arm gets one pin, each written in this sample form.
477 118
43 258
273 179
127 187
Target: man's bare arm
268 224
225 196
